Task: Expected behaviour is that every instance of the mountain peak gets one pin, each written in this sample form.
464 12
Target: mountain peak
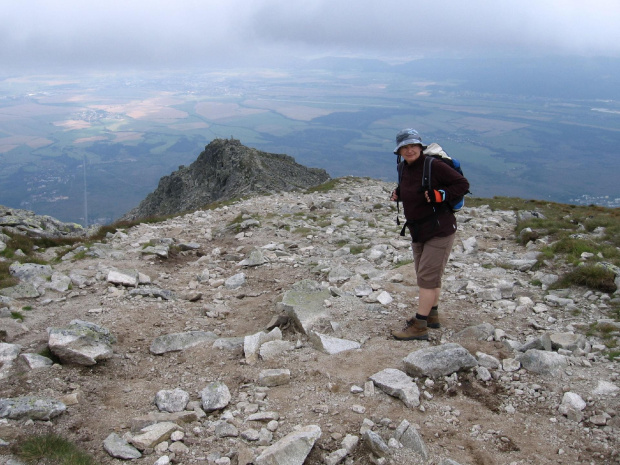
226 169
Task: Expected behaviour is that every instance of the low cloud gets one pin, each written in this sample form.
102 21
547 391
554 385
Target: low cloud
159 33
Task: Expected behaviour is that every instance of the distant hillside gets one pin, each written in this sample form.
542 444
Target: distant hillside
226 169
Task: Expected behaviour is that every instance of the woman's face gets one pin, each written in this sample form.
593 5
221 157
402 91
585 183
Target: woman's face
410 153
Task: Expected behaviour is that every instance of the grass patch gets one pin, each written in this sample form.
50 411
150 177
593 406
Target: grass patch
222 203
103 231
357 249
304 231
17 315
325 187
81 255
572 248
613 355
51 448
29 245
403 263
6 279
568 230
47 353
591 276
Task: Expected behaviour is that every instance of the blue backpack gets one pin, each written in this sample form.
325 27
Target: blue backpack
435 152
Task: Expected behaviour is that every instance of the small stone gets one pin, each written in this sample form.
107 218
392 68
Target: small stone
358 409
274 377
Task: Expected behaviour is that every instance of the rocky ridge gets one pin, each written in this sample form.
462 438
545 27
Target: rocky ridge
225 170
259 333
27 222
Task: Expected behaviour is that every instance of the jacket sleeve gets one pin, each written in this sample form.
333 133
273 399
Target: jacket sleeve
450 181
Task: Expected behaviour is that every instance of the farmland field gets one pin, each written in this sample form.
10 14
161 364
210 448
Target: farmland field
91 148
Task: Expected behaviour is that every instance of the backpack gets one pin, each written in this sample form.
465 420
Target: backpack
433 152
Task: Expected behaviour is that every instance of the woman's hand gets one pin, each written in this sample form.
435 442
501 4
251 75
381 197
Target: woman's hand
394 196
435 196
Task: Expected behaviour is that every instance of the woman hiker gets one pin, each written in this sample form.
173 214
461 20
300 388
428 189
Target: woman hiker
432 225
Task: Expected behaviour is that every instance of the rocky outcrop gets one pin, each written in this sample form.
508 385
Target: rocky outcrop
27 222
225 170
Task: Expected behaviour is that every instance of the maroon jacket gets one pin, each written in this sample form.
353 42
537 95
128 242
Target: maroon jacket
425 219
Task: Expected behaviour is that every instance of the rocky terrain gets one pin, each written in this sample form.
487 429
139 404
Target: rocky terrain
225 170
26 222
259 333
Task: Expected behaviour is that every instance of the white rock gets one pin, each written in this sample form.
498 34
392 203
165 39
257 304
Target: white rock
573 401
331 345
292 449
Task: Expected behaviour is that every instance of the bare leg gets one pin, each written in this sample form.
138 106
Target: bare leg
428 298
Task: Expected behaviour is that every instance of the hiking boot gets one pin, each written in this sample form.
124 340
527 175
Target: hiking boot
415 330
433 321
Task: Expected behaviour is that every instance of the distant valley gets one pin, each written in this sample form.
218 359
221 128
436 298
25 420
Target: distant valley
88 148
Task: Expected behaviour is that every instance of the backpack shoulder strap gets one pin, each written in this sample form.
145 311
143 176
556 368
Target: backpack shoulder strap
426 175
399 168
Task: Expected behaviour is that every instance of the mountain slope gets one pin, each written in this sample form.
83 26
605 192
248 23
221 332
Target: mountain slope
226 169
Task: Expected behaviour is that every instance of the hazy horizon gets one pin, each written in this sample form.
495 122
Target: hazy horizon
102 98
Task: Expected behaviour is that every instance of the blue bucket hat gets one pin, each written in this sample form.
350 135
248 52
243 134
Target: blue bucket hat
408 137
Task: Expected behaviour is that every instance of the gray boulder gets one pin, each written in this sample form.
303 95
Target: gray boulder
171 400
34 408
180 341
304 304
331 345
438 361
81 343
215 396
567 341
292 449
478 332
397 384
118 448
410 438
542 362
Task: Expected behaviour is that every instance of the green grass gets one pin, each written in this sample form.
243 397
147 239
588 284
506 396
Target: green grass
357 249
590 276
403 263
325 187
304 231
52 449
112 228
17 316
6 279
29 246
566 228
46 352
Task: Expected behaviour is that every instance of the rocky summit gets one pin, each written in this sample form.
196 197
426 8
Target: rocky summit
259 333
225 170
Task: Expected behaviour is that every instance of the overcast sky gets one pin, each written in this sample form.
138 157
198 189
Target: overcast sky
41 34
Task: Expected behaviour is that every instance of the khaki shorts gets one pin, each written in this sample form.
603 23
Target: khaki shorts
430 259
